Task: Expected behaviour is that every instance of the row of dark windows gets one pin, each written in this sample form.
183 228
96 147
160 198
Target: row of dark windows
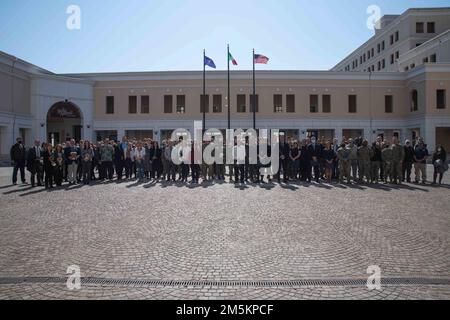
395 37
431 59
441 99
441 103
420 27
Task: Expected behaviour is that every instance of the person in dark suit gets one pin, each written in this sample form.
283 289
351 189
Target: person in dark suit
195 166
35 163
49 165
155 157
305 164
315 154
18 157
285 150
119 159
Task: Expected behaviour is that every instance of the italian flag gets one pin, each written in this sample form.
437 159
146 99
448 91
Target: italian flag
233 61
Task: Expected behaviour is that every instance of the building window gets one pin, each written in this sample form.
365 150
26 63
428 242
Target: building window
241 105
383 63
397 54
433 58
391 39
378 48
132 104
204 101
419 27
412 66
382 45
277 103
217 103
425 60
255 103
290 103
145 104
392 59
326 103
441 102
110 105
388 104
181 104
368 54
373 67
396 36
431 27
414 100
379 66
313 103
168 104
352 103
373 52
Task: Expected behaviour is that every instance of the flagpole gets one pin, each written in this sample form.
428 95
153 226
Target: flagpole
229 97
204 94
254 92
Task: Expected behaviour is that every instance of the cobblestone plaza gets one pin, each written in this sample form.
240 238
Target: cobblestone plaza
221 241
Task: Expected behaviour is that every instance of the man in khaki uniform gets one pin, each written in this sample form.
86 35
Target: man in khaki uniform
387 156
343 154
364 155
353 157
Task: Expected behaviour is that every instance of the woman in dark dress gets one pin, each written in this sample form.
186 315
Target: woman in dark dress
328 157
58 169
155 157
294 156
439 163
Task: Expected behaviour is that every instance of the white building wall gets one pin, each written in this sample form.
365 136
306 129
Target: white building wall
48 90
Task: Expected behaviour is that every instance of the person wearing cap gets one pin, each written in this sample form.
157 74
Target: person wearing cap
408 162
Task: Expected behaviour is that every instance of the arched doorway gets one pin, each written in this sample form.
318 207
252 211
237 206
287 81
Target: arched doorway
64 121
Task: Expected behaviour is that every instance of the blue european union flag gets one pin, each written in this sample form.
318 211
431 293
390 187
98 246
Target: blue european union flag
210 63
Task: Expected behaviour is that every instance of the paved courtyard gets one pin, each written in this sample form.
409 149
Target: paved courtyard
219 241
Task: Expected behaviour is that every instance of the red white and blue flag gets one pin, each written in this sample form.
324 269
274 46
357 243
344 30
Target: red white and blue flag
259 58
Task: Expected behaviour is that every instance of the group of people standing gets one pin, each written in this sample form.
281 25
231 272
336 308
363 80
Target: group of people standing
351 161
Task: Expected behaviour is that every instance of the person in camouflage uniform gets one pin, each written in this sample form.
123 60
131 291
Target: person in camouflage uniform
353 157
364 155
343 154
387 156
398 155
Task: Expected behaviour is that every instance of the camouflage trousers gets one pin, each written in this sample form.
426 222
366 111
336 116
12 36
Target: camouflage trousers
387 165
354 168
364 170
396 173
344 170
230 171
375 170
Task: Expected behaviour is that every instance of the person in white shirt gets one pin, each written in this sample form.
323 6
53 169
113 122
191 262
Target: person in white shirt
139 156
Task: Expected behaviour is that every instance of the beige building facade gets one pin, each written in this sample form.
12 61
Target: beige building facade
408 103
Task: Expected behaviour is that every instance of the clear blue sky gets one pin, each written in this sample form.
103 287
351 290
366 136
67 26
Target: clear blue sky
154 35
